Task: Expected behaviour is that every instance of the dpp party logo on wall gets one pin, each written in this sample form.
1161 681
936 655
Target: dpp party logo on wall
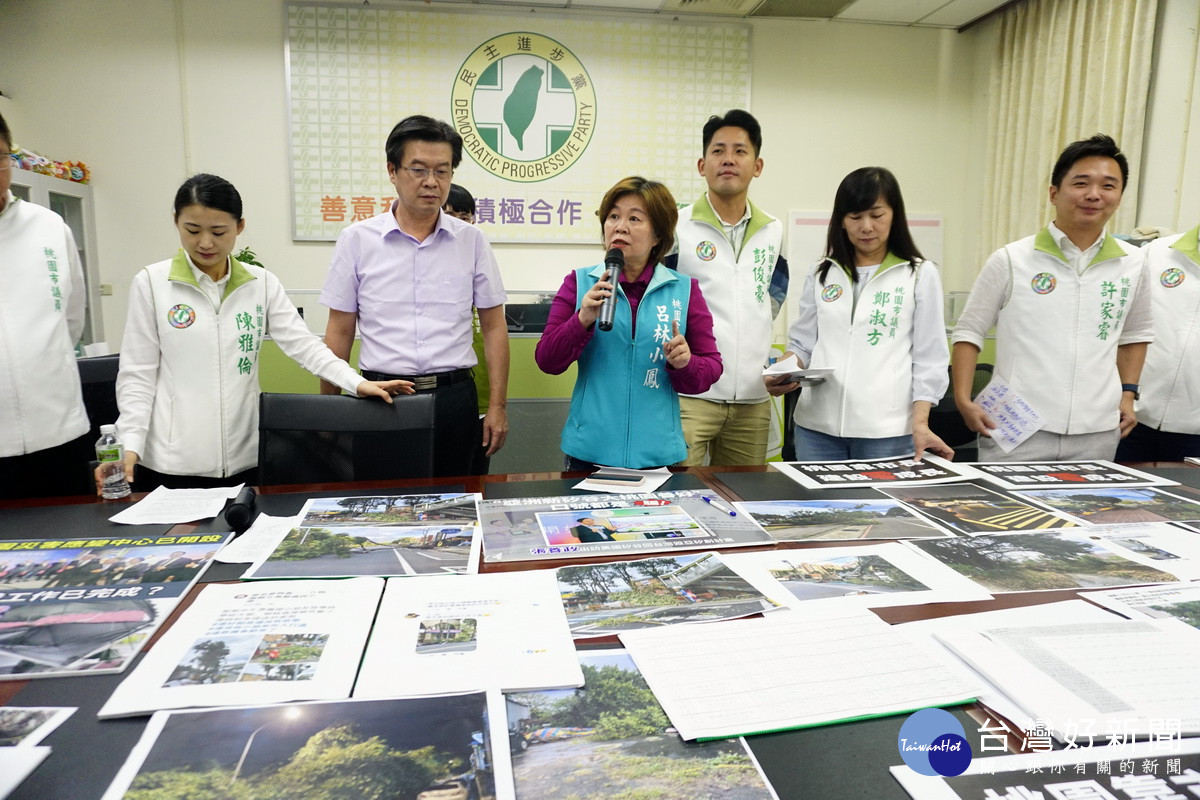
524 105
933 742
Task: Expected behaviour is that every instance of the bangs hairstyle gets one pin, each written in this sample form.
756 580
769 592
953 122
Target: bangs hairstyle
660 206
210 191
858 192
5 133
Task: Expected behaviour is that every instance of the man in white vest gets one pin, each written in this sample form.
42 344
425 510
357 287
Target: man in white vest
44 447
1072 315
731 247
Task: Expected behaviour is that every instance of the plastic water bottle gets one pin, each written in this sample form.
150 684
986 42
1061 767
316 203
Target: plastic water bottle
110 450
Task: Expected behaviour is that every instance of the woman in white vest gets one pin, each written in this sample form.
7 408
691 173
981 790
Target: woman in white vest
187 388
872 311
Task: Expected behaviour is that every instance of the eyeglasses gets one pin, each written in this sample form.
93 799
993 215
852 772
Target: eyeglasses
423 173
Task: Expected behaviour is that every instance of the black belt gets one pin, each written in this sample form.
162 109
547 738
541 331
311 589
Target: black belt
423 382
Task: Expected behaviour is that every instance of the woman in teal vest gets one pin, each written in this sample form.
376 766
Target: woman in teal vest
625 407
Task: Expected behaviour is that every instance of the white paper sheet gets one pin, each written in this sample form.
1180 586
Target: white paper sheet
601 480
1066 612
867 576
446 634
1015 419
791 670
255 643
1177 600
166 506
258 541
17 764
1093 675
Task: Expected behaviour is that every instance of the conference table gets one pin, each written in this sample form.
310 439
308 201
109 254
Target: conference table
848 760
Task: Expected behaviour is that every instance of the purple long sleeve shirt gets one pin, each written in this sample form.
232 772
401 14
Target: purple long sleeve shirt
565 337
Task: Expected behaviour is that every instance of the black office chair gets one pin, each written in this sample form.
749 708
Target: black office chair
946 422
98 377
315 438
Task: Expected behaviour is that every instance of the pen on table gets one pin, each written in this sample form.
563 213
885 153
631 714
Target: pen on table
718 504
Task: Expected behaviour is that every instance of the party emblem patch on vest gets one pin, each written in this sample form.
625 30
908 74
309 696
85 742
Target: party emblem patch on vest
1171 277
181 316
706 251
832 292
1043 283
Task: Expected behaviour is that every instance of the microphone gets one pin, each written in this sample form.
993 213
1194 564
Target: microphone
614 260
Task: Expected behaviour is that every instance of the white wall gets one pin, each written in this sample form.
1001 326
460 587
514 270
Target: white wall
149 91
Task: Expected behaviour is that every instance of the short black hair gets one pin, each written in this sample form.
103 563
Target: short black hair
422 129
460 199
5 133
1101 145
210 191
734 118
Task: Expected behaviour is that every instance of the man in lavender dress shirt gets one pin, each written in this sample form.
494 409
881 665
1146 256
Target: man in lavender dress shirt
407 280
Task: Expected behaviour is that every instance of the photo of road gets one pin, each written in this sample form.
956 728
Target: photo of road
603 599
1108 505
866 518
844 576
972 509
391 535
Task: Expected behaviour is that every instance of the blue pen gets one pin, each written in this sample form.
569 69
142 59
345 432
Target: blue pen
715 503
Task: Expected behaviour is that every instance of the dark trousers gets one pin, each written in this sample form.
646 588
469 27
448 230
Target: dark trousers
60 471
1147 444
457 427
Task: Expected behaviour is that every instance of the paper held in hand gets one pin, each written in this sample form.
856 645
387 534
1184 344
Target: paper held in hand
790 367
1015 419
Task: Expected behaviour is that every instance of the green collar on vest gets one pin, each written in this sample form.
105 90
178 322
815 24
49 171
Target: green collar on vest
889 261
1189 244
702 211
1044 241
181 270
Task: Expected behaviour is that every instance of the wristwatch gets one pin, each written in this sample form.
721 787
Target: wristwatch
1132 387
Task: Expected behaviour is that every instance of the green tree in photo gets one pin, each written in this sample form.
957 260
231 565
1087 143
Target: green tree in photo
303 544
615 701
339 763
209 659
185 784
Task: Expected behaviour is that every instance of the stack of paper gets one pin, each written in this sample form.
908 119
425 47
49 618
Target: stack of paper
791 670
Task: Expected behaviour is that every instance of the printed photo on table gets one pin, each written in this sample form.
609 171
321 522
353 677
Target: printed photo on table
611 738
603 599
866 518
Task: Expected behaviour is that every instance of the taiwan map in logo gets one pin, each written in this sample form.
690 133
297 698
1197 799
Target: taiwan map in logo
1043 283
706 251
525 107
1171 277
181 316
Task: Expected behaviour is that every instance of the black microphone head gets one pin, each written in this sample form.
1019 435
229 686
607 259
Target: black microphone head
614 258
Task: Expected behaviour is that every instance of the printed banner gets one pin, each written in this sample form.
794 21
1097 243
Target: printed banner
551 114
